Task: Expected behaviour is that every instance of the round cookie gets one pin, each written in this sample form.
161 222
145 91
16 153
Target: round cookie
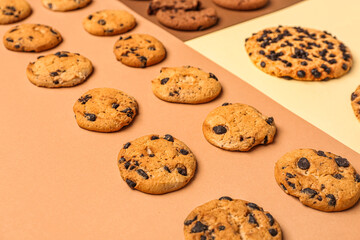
65 5
105 110
62 69
238 127
299 53
320 180
188 20
156 5
109 22
139 50
186 85
241 4
230 219
12 11
156 165
31 38
355 102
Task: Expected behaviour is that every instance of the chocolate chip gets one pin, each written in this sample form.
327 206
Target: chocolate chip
225 104
291 184
265 140
271 219
221 228
127 164
129 112
321 153
142 173
273 232
309 192
344 66
326 68
184 152
315 73
182 171
154 137
90 17
199 227
50 5
167 169
304 63
353 96
289 175
102 22
151 155
332 61
169 138
132 167
188 222
130 183
253 206
262 52
40 57
301 73
90 117
17 46
164 81
270 120
303 163
287 77
252 219
127 38
342 162
283 186
226 198
56 82
127 145
143 61
213 76
219 129
263 64
53 32
54 74
115 105
84 99
63 55
338 176
9 39
357 177
332 199
202 237
122 159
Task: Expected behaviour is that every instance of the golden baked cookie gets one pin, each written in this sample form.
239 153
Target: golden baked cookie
65 5
12 11
355 102
241 4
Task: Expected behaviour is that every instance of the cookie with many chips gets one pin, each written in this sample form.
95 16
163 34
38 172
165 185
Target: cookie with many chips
320 180
230 219
299 53
12 11
156 5
156 164
65 5
355 102
238 127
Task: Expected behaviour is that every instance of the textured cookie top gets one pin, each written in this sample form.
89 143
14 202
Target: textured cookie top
188 20
156 5
299 53
156 165
31 38
241 4
355 102
62 69
186 85
230 219
109 22
65 5
105 110
139 50
238 127
12 11
321 180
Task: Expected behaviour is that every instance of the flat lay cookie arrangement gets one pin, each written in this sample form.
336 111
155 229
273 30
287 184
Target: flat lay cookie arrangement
114 128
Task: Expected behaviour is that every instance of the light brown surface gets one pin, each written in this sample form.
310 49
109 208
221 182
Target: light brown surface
61 182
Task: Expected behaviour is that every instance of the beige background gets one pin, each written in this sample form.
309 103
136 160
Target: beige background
324 104
61 182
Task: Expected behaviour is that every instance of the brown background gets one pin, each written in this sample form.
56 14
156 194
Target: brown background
227 17
58 181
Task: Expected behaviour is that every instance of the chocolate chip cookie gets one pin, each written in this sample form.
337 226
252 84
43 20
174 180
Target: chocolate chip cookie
109 22
230 219
187 20
156 5
31 38
156 164
105 110
186 85
65 5
139 50
12 11
299 53
320 180
238 127
355 102
241 4
62 69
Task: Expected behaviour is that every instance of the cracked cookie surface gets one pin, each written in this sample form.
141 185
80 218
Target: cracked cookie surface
299 53
105 110
230 219
238 127
156 164
62 69
320 180
12 11
355 102
65 5
186 85
156 5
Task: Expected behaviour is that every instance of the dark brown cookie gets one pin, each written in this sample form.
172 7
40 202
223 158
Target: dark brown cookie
156 5
241 4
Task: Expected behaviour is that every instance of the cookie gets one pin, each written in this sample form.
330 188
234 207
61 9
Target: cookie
156 5
12 11
156 165
299 53
241 4
320 180
238 127
31 38
188 20
105 110
139 50
185 85
62 69
65 5
355 102
230 219
109 22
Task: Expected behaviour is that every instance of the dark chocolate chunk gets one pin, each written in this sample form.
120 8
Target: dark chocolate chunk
184 151
202 237
127 145
253 206
188 222
167 169
131 183
219 129
252 219
122 159
221 228
225 104
315 73
357 177
226 198
127 164
321 153
115 105
102 22
270 120
271 219
263 64
54 74
213 76
199 227
283 186
301 73
303 163
273 232
164 81
291 184
143 61
338 176
182 171
344 66
332 199
309 192
289 175
142 173
90 117
90 17
154 137
84 99
342 162
169 138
